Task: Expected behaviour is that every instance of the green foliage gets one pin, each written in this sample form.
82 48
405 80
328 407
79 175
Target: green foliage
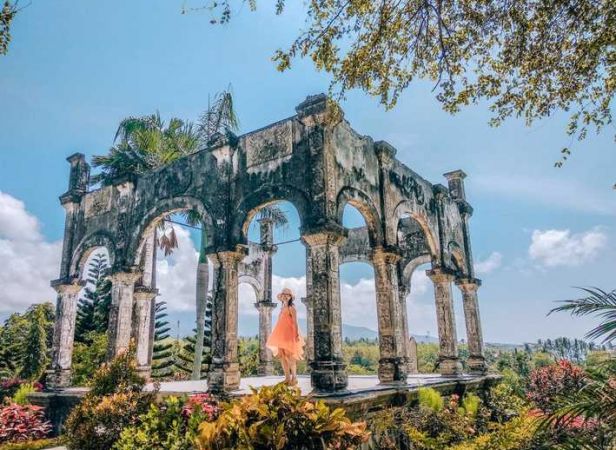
249 356
278 417
165 426
528 59
597 302
504 403
114 402
88 357
162 352
21 396
93 308
517 434
470 405
7 14
427 357
431 399
35 353
38 444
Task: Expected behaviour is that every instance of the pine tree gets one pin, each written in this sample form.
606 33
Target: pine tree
162 354
35 351
185 357
93 308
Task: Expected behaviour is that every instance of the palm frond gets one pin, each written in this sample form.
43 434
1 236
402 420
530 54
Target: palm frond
219 118
599 303
168 241
275 214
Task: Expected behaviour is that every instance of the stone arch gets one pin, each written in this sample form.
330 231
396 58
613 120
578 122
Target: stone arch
254 283
405 209
85 248
410 266
168 206
250 205
364 204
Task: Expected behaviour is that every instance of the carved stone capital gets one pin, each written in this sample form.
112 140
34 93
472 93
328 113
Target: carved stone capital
318 110
324 236
144 294
265 305
68 287
381 255
230 258
125 278
440 276
468 285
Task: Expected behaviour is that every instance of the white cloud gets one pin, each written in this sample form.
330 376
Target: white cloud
176 275
552 248
489 264
28 261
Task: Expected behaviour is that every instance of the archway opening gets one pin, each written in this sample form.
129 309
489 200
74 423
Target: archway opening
92 316
358 297
276 260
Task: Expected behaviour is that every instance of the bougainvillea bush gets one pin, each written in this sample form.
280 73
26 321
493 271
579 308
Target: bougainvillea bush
20 423
549 383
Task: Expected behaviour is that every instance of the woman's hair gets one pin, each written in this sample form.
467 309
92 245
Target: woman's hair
290 303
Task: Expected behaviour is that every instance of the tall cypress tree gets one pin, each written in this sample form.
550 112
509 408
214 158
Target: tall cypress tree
185 357
162 354
93 308
35 351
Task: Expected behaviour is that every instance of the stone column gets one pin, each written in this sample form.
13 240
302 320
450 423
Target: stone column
142 328
59 375
328 369
476 361
413 364
392 344
121 311
224 374
266 367
449 363
403 292
309 349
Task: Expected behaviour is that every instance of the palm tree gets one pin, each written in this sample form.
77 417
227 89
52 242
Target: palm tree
599 303
596 400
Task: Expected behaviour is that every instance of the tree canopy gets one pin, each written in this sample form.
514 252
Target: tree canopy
526 58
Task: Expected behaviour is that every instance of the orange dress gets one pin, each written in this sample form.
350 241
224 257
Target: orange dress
285 335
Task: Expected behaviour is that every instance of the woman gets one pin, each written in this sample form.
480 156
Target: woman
285 342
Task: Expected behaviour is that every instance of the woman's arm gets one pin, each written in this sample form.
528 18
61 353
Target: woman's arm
294 317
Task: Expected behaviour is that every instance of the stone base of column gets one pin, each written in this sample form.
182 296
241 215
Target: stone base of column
145 372
393 370
58 379
265 369
223 377
450 366
328 376
477 365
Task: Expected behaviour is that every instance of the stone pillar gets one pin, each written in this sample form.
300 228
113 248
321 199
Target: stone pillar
266 367
403 292
121 311
59 375
413 364
224 374
392 344
449 363
143 320
328 369
476 361
266 229
309 349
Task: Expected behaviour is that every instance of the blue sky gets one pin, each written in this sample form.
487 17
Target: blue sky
74 69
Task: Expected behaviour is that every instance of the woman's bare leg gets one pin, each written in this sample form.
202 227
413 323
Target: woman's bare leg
285 366
293 370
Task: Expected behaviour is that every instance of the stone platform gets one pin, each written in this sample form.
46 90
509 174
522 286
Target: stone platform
364 393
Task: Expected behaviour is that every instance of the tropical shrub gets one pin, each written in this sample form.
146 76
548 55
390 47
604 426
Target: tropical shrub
39 444
504 403
171 425
21 395
9 387
20 423
277 417
517 434
549 383
115 401
88 357
431 399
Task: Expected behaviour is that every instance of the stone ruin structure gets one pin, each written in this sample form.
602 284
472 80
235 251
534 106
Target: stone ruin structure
319 165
